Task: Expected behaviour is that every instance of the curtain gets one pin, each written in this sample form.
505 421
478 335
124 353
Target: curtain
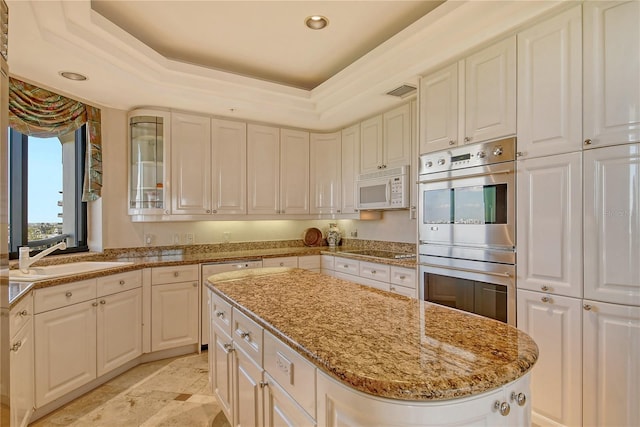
41 113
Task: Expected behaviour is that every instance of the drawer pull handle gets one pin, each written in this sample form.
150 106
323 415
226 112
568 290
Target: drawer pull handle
122 282
244 335
24 313
68 294
16 346
220 314
263 384
520 398
403 277
346 266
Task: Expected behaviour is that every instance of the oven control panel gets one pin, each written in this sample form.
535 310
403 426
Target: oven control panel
468 156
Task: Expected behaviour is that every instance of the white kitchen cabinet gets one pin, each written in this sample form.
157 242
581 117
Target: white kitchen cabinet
65 350
385 140
612 224
550 86
611 112
403 281
174 307
221 369
294 172
119 329
190 164
21 346
288 261
350 168
327 265
248 390
263 169
555 324
229 166
148 161
280 409
325 170
339 405
309 262
611 372
471 101
549 226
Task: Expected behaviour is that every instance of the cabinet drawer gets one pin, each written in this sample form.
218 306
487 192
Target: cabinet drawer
63 295
327 262
220 313
374 271
21 314
309 262
247 334
291 371
119 282
346 265
174 274
286 261
403 276
403 290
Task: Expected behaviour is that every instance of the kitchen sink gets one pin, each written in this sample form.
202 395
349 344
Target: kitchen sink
52 271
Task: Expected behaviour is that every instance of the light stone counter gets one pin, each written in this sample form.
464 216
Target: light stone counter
378 342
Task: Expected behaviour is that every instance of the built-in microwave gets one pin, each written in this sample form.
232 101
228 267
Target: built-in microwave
384 189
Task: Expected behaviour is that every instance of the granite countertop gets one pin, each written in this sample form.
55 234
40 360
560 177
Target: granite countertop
378 342
176 258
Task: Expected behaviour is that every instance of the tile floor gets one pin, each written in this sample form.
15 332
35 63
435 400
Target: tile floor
170 392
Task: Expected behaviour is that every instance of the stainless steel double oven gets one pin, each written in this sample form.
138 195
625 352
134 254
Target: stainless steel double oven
467 228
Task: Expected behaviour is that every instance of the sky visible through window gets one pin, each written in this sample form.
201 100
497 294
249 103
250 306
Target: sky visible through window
45 180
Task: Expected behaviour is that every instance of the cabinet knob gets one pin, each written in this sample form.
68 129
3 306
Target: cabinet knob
176 274
587 141
545 299
95 304
373 272
403 277
68 295
587 307
441 162
244 334
229 347
220 314
282 264
24 313
384 166
208 210
452 142
215 211
503 407
346 266
338 211
103 302
545 288
263 384
122 282
16 346
393 288
519 398
467 139
379 166
497 151
519 154
195 284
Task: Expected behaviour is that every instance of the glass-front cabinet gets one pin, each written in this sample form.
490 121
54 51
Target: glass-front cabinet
148 153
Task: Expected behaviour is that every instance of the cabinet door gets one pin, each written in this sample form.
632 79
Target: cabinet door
174 315
439 110
229 162
612 224
550 86
280 409
65 357
555 324
490 92
396 126
611 371
549 207
248 391
190 164
22 376
119 329
611 70
221 370
371 140
263 169
294 172
325 173
350 167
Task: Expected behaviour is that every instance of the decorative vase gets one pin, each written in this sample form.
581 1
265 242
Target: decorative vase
333 235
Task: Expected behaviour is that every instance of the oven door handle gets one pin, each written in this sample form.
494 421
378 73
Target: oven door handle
473 175
468 270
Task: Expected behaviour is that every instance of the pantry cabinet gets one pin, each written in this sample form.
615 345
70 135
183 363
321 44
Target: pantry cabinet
325 170
611 112
550 86
611 372
385 140
471 101
549 229
350 168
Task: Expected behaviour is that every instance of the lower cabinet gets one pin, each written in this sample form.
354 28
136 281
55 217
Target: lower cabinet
21 348
281 409
393 278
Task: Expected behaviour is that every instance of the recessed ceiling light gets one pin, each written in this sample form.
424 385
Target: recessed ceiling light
316 22
72 76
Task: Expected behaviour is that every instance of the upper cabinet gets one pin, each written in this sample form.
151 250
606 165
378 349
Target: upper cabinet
471 101
550 86
611 68
325 171
350 167
149 133
229 166
294 172
385 140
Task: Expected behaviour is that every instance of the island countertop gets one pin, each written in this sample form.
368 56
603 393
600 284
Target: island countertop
378 342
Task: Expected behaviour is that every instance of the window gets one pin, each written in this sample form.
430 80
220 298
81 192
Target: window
45 191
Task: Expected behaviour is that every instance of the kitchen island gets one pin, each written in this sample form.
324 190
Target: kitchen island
375 357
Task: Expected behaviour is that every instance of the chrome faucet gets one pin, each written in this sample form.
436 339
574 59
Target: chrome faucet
25 260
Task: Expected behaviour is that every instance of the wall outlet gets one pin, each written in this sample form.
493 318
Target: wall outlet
226 236
189 239
354 233
148 239
176 238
